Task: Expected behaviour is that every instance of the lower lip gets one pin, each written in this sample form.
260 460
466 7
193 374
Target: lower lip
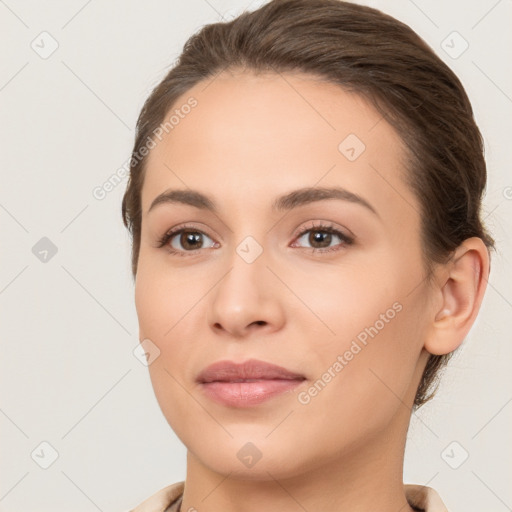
248 394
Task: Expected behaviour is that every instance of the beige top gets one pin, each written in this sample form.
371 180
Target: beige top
169 499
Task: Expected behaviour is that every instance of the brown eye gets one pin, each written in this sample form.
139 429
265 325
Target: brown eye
321 237
190 240
182 240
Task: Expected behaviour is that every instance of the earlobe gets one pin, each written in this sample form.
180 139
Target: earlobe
462 290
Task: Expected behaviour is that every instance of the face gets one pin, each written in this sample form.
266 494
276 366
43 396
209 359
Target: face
331 287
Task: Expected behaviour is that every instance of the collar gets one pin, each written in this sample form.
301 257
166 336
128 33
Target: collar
167 499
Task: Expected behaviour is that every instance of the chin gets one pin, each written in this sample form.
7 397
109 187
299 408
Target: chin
248 458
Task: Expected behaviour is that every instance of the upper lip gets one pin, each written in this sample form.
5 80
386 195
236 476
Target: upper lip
254 369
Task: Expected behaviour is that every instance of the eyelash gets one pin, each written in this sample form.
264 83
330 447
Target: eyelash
322 228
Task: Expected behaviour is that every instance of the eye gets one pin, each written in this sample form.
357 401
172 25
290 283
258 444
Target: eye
322 235
190 239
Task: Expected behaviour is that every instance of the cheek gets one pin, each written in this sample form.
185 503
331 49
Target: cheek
149 303
162 297
342 301
169 311
370 383
372 343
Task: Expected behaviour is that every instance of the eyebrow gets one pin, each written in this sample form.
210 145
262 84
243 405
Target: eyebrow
286 202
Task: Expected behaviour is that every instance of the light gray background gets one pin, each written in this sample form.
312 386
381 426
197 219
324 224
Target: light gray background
68 326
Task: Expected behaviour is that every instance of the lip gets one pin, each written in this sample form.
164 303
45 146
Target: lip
246 384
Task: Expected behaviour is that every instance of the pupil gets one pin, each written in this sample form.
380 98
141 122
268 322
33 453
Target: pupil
320 236
191 238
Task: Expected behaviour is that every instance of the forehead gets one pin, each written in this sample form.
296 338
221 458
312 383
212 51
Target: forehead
251 137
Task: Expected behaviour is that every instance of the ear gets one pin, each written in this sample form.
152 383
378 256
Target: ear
460 289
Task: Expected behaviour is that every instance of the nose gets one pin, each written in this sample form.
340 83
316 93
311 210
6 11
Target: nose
249 297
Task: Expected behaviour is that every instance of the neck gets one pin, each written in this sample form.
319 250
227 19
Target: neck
365 477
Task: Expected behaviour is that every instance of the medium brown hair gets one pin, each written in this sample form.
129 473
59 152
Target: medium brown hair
368 52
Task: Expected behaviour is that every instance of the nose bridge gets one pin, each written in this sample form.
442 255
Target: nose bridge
245 295
247 250
247 277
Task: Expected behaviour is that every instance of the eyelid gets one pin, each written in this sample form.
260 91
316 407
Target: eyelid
323 225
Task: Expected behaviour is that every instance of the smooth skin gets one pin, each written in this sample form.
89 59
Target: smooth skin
250 139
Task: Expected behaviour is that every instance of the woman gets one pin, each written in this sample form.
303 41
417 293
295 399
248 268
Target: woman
304 202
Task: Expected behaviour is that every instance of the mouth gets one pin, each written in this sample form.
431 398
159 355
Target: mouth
247 384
